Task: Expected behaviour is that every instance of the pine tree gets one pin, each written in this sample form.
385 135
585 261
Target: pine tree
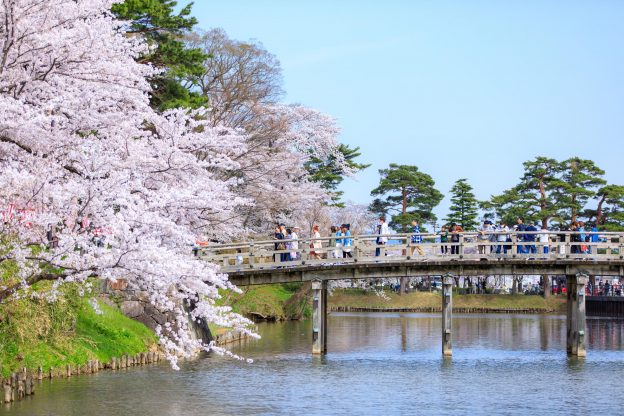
162 28
330 175
536 197
609 212
464 206
407 194
579 182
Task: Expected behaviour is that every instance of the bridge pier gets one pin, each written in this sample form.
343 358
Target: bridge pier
447 314
575 334
319 316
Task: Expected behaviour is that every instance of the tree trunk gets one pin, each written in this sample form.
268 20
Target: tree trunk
403 285
514 287
547 285
404 209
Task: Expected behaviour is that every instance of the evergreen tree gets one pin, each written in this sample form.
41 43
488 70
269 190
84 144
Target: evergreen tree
407 194
329 174
162 28
579 182
609 212
536 197
464 206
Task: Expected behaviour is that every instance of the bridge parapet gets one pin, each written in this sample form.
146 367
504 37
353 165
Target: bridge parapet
410 248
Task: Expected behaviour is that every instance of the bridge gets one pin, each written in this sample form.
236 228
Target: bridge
471 254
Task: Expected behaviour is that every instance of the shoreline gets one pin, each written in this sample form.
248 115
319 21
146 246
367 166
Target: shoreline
528 311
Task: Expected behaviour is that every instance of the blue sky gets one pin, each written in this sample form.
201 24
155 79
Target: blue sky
458 88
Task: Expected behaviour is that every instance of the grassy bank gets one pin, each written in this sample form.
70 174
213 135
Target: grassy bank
35 332
270 302
353 298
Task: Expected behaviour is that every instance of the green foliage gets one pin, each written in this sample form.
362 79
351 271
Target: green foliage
535 198
579 180
406 194
272 302
330 175
156 21
609 213
464 206
552 191
35 332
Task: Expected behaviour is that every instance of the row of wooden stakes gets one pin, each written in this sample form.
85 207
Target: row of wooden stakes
22 383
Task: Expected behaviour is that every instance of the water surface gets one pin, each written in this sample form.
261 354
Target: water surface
377 364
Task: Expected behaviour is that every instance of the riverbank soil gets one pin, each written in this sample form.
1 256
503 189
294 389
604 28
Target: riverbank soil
35 331
360 299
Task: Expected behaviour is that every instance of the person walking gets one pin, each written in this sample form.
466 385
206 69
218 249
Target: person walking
294 245
444 237
502 238
279 245
484 235
530 236
519 229
316 245
347 241
544 239
337 242
416 239
382 232
456 231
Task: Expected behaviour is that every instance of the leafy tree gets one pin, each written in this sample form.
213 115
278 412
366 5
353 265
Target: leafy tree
579 181
407 194
330 174
535 198
162 28
609 213
464 206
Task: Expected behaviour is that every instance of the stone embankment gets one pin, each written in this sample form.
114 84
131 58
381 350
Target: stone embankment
22 384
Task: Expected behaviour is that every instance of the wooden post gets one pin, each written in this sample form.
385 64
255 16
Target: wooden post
8 393
575 334
319 316
447 314
69 372
39 373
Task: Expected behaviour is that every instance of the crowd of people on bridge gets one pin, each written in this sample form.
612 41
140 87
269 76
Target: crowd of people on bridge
492 239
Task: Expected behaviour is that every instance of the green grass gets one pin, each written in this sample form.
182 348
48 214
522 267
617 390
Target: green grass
416 300
264 301
34 332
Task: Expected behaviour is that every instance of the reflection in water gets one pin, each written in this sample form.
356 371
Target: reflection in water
378 363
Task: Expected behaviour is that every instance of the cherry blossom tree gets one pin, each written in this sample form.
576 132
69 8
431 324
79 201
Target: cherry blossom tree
81 149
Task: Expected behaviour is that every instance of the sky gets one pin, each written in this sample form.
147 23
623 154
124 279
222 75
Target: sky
461 89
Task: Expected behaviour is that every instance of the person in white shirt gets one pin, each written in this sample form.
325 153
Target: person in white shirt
544 239
382 232
294 245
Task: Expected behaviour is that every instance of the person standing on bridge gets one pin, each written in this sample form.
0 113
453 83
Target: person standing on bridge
416 239
316 245
279 245
444 236
530 237
502 238
294 245
347 241
519 229
382 232
456 231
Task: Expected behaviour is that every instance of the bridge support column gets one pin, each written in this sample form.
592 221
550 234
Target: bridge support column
319 316
447 314
575 335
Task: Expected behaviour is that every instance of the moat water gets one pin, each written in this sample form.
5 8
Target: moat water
377 364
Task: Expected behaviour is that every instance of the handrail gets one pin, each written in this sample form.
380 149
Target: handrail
365 248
